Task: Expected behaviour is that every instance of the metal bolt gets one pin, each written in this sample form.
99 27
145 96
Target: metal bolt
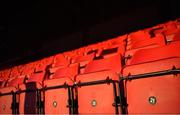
152 100
54 104
93 103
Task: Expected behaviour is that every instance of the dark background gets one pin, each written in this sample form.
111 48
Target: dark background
31 30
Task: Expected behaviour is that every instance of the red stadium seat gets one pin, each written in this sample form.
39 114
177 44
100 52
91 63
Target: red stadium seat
90 95
153 93
159 40
6 96
60 61
131 52
29 95
69 72
173 36
138 36
84 59
6 100
152 54
57 98
170 28
158 94
97 98
14 72
112 63
16 81
6 74
36 77
40 67
29 68
42 64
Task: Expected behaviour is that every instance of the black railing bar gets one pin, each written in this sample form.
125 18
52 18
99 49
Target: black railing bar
152 74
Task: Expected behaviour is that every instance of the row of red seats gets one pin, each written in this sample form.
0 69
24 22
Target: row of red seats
88 80
162 65
152 67
136 40
95 70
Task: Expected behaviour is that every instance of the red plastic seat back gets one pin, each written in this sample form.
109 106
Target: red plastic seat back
14 72
170 28
158 53
112 63
83 61
162 88
97 98
69 72
36 77
86 58
60 60
139 36
40 67
42 64
28 68
6 100
58 96
6 74
16 81
159 39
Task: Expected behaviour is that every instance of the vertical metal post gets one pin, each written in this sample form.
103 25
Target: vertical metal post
69 100
115 98
13 103
38 101
122 98
72 95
